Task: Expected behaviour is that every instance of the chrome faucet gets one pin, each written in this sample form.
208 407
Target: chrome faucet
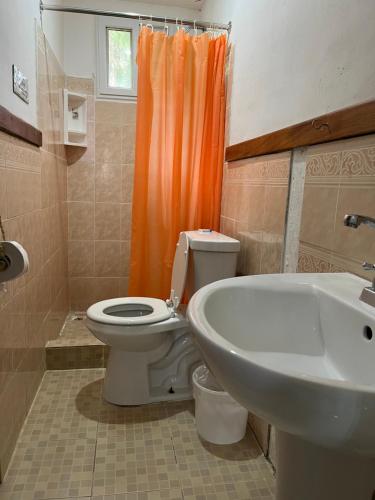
354 220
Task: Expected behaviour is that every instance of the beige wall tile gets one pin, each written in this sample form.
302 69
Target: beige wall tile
108 258
23 156
125 258
249 259
127 180
275 209
340 179
80 220
128 144
106 288
111 112
112 155
23 191
81 176
108 183
107 221
107 143
32 202
130 112
123 287
271 254
81 258
3 201
227 226
81 293
126 214
318 215
251 207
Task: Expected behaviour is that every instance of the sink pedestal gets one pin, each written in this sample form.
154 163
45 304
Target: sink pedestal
310 472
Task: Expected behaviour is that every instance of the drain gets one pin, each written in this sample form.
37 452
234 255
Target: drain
367 333
171 391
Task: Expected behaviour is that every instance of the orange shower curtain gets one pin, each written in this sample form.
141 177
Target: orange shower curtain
179 150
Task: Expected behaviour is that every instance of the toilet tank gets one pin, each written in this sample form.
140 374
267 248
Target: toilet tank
212 257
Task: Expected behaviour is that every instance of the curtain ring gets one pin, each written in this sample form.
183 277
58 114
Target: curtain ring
149 25
177 28
195 27
140 21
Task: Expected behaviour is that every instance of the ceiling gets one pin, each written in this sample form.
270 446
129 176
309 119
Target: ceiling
187 4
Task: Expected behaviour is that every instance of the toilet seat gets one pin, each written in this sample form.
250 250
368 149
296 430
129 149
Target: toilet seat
130 311
137 311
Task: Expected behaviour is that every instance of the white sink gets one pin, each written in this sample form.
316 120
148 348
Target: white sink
296 350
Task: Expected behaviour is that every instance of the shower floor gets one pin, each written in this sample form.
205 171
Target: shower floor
75 347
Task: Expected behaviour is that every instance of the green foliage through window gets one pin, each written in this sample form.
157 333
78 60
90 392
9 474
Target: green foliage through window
119 58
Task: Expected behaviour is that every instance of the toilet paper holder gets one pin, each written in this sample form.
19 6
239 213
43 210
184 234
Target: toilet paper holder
14 260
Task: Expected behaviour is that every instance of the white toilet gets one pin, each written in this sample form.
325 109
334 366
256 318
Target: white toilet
152 354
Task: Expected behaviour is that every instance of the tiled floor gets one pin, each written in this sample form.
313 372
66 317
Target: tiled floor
75 446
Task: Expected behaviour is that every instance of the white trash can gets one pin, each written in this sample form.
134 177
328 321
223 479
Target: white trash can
218 417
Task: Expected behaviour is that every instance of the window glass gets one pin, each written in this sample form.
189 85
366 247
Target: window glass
119 58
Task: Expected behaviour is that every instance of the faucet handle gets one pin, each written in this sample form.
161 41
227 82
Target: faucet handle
368 267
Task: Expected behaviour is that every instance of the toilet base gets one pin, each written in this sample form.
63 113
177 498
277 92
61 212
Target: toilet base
164 374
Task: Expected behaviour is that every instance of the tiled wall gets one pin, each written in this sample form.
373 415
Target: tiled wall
100 183
254 204
340 179
253 210
32 204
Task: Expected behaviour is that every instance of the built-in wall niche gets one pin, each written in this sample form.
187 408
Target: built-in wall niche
75 118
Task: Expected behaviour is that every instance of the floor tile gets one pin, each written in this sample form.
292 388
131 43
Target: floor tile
190 448
175 494
137 476
232 491
76 446
142 464
201 474
57 469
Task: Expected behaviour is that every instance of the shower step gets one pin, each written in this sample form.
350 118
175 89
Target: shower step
75 347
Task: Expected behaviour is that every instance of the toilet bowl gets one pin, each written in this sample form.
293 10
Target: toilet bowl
152 355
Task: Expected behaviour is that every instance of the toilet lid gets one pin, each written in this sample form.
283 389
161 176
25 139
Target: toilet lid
180 265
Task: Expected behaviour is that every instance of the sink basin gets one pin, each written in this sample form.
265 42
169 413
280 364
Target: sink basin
298 350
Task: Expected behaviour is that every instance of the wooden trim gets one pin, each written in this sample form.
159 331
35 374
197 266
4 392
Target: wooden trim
342 124
13 125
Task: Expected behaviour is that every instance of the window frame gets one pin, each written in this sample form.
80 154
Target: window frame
104 91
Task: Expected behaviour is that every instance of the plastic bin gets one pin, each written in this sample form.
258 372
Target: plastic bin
218 417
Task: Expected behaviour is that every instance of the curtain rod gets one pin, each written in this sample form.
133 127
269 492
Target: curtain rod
204 25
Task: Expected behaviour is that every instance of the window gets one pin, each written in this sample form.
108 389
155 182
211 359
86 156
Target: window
116 57
119 58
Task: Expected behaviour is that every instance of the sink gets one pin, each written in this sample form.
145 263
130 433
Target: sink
298 350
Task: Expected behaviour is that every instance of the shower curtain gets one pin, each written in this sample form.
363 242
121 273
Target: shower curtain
179 150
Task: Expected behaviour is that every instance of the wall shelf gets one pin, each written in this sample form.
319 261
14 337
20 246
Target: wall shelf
75 119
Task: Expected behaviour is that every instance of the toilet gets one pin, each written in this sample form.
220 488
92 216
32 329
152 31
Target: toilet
152 355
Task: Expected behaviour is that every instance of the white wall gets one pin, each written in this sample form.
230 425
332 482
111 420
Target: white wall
80 30
17 46
17 42
294 59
